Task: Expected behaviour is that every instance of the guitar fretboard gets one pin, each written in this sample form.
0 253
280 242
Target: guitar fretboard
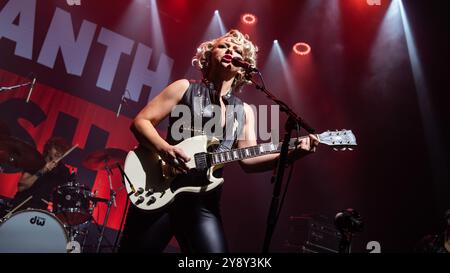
242 153
343 138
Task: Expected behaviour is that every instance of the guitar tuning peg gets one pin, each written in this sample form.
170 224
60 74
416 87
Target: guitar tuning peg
350 149
335 149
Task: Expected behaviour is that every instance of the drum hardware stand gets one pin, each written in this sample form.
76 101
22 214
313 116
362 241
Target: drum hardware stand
105 160
84 240
112 200
80 231
73 231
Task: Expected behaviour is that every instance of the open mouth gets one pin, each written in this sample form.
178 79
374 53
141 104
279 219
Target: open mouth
227 58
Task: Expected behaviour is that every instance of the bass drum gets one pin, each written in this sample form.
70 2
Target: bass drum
33 231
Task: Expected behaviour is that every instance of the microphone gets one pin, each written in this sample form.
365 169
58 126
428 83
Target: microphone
31 89
238 62
122 100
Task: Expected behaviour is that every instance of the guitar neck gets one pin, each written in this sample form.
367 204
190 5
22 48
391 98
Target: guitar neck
248 152
340 140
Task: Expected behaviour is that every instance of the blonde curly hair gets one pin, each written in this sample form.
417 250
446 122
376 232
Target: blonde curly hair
200 60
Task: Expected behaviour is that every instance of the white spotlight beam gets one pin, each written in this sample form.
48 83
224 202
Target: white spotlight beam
157 35
433 137
216 28
271 72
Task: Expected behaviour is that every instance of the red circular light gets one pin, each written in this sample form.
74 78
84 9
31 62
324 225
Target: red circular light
248 19
301 49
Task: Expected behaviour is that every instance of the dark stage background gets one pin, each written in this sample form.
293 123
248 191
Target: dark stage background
360 75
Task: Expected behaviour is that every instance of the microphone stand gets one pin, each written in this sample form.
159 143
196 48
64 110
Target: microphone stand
292 121
346 242
112 199
124 178
7 88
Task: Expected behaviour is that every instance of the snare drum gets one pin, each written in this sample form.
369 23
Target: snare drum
33 231
72 203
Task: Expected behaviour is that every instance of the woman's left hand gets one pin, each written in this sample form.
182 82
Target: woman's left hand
305 146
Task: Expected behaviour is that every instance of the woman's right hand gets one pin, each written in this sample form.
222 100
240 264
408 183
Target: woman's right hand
175 157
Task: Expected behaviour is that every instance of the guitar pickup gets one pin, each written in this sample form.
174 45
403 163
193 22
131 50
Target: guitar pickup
202 161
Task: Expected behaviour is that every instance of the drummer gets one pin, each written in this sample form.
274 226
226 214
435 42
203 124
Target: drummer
40 184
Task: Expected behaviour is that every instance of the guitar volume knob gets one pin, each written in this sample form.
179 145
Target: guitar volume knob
140 200
151 200
149 192
139 191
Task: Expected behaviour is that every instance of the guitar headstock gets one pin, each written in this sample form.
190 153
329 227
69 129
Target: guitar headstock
340 140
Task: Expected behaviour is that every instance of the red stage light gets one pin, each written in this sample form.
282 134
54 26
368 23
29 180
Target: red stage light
301 49
248 19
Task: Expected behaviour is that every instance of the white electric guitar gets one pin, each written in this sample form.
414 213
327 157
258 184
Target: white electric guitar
151 178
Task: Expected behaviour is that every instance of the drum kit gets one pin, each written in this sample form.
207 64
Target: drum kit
70 208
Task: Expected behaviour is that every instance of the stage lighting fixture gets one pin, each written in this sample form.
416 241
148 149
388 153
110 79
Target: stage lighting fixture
301 49
248 19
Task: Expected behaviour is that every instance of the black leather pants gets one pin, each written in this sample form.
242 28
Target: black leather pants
193 219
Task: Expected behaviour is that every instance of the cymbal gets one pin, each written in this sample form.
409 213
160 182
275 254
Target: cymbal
19 154
104 159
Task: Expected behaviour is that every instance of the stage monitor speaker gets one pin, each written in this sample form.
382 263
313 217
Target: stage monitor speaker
312 234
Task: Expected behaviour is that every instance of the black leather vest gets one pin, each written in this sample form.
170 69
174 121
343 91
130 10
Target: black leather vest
204 105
